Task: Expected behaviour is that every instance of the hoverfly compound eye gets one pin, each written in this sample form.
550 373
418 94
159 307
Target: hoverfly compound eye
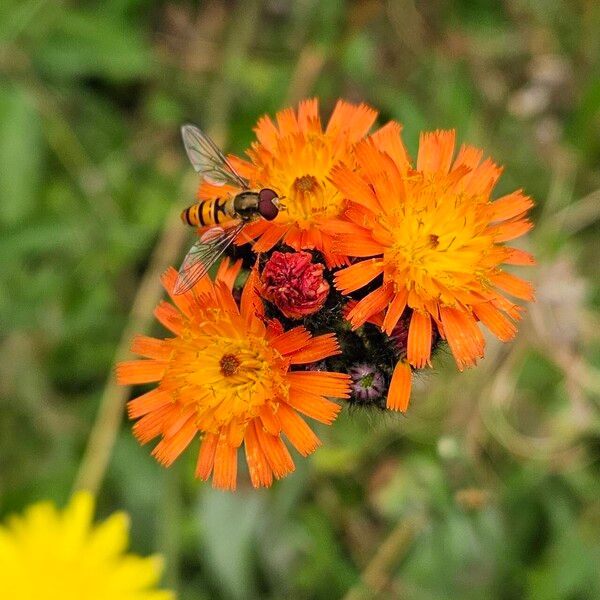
267 194
267 206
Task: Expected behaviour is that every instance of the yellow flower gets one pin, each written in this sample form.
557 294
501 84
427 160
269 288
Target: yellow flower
60 555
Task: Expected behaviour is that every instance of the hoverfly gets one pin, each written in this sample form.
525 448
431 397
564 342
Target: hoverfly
237 211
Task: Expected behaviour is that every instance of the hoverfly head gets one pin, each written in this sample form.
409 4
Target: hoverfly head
268 204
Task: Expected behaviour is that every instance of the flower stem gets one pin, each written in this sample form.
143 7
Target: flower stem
104 432
376 576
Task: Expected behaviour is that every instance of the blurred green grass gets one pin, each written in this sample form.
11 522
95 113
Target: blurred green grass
493 477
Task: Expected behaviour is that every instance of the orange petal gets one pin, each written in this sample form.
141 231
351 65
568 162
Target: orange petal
418 349
151 425
235 433
483 178
276 453
371 304
400 386
167 450
388 140
519 257
435 151
515 286
206 456
376 319
252 231
510 308
510 230
177 419
319 348
251 306
287 122
169 317
225 466
182 301
361 218
261 474
354 188
333 260
352 119
150 347
358 275
394 311
511 205
226 302
357 245
346 228
270 420
291 341
468 156
140 371
335 385
269 238
463 335
267 133
370 159
148 402
228 273
313 405
308 116
495 321
300 435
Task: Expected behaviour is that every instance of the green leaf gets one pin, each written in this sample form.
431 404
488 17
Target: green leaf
229 522
20 154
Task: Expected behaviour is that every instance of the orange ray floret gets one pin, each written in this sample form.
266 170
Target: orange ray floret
294 156
436 235
400 386
227 377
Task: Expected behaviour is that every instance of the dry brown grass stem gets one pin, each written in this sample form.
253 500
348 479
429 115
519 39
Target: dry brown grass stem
378 574
308 68
104 432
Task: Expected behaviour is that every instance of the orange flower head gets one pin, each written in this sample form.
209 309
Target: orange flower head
436 236
228 374
294 157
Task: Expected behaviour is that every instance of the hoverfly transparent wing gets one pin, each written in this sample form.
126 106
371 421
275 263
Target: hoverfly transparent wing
203 255
208 160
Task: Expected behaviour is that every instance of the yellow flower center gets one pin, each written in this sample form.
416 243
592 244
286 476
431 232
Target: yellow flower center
305 184
439 242
299 171
225 373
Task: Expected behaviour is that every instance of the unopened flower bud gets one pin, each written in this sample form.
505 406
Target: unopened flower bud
294 284
367 382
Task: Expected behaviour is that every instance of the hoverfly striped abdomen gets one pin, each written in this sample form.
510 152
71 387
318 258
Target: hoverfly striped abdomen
207 213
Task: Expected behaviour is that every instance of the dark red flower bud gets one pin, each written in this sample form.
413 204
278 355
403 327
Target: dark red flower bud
294 284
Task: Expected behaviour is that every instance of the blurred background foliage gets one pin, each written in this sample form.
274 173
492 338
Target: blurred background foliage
489 487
